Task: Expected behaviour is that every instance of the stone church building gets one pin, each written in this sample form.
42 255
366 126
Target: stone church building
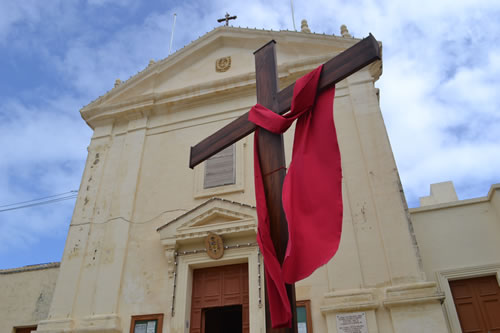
135 258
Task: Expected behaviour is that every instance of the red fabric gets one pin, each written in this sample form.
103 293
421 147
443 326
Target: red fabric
312 192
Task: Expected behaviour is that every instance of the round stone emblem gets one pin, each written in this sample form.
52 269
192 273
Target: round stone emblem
222 64
214 246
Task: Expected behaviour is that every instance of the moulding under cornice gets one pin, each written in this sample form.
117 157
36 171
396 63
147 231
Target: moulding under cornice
186 228
350 300
466 272
219 228
221 33
30 268
179 99
370 299
55 325
106 323
245 228
438 297
349 307
412 294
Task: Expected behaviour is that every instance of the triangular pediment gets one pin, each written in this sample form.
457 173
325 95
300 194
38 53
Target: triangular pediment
192 72
216 215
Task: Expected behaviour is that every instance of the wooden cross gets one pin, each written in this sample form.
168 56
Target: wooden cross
271 149
227 18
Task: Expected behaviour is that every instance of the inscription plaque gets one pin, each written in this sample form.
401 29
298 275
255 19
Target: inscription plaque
354 322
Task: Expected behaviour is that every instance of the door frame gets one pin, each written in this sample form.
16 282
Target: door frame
443 278
188 263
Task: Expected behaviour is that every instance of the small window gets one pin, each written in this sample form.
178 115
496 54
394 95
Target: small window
304 322
147 323
220 168
208 182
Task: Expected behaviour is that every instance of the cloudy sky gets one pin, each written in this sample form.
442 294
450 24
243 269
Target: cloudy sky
438 90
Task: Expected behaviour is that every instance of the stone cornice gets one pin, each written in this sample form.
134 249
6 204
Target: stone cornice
179 99
370 299
30 268
487 198
104 108
223 33
350 301
238 228
438 297
411 294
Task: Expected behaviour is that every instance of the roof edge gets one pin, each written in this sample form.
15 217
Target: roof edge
487 198
29 268
150 69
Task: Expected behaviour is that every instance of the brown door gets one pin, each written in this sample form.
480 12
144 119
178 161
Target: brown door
219 290
477 302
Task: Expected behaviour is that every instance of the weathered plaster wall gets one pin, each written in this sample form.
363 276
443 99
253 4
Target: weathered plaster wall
460 235
25 295
458 240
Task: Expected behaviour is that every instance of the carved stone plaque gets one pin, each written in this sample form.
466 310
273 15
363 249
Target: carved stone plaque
214 246
354 322
222 64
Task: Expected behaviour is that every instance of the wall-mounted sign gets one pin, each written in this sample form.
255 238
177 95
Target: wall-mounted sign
145 327
354 322
214 246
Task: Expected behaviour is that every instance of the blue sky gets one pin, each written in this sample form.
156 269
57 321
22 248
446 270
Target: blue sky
439 89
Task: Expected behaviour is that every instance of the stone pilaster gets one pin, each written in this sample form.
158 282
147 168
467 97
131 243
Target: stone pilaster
88 291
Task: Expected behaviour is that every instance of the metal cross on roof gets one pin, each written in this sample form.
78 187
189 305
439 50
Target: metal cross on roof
227 18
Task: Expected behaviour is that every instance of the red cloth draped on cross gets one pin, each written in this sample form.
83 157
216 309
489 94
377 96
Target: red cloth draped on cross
312 192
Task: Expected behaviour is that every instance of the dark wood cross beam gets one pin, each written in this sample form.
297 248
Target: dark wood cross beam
226 18
270 145
335 70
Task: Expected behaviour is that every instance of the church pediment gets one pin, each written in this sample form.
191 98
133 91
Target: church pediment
216 215
220 62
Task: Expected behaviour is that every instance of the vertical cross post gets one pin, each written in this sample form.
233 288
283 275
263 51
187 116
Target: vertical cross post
273 166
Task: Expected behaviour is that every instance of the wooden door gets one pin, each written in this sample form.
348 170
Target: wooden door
218 287
477 302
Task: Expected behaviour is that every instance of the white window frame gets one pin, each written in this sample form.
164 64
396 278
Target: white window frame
239 169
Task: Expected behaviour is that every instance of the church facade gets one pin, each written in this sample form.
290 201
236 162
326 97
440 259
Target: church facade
154 246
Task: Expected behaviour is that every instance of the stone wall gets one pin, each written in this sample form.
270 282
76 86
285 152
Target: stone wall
26 294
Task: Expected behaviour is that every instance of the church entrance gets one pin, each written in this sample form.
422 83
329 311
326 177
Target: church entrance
220 300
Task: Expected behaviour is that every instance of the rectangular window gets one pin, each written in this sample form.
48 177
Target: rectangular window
147 323
304 322
220 169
